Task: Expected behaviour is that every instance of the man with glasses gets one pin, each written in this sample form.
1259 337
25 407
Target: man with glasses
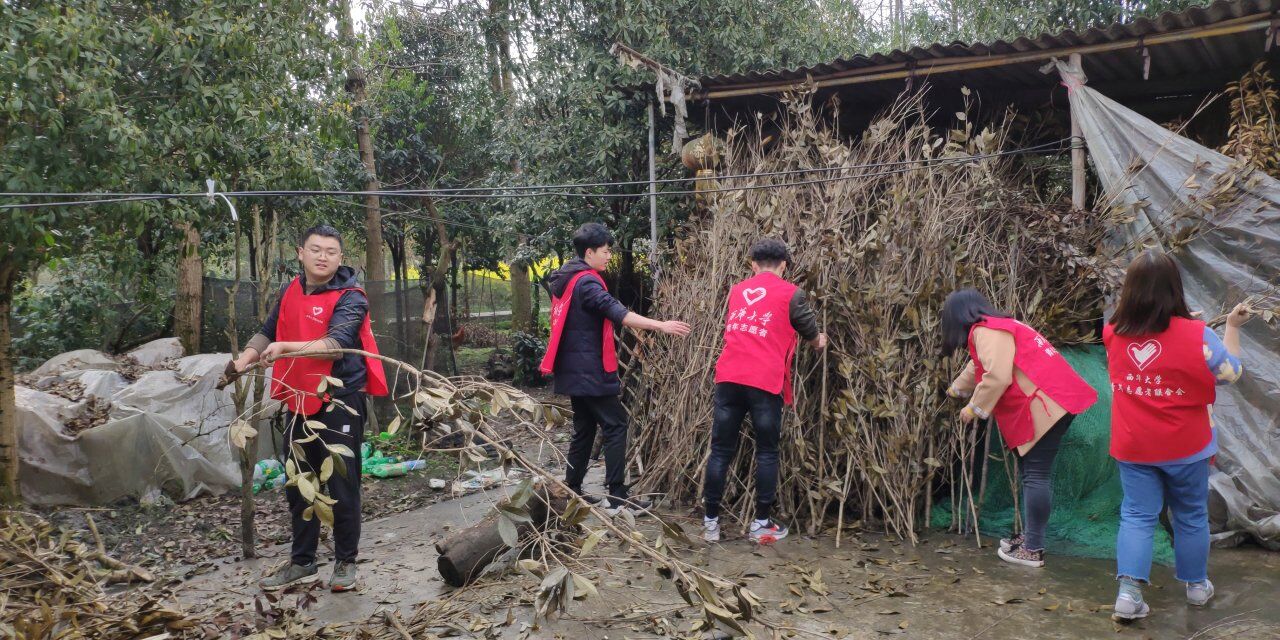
324 309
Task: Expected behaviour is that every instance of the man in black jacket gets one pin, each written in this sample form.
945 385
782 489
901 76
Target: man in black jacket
581 356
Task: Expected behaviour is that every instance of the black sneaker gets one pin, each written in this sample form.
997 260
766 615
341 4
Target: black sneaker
636 506
587 498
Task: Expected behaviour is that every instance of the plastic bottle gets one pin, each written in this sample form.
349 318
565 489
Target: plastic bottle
377 460
366 450
266 469
396 469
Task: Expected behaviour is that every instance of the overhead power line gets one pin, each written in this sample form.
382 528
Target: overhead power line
548 190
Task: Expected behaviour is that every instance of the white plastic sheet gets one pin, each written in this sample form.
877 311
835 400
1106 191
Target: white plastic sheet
166 431
1157 173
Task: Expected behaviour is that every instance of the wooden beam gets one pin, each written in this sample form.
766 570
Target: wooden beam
924 68
1077 152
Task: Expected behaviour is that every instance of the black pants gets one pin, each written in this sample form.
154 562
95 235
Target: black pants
732 403
1035 472
606 414
341 428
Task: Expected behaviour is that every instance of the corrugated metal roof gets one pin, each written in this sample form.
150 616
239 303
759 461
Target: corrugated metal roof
1228 35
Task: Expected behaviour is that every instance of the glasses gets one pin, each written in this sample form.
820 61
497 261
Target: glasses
316 252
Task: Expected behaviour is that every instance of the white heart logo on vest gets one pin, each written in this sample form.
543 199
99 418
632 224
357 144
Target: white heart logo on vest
1145 353
315 311
754 295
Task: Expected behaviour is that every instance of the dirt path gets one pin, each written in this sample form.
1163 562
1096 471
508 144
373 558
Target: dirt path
871 587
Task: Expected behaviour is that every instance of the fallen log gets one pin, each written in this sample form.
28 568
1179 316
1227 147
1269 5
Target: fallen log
465 554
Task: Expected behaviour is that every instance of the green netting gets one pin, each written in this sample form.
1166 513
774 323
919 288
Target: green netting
1086 481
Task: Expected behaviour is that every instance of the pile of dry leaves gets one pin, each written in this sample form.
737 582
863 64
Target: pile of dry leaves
54 588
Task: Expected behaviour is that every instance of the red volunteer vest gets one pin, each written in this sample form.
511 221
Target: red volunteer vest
304 318
1161 390
1045 368
759 341
560 311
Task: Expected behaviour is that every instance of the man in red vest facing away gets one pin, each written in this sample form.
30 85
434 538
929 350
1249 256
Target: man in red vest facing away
581 354
753 375
323 309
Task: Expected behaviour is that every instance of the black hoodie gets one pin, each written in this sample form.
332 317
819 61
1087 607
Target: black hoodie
579 367
344 327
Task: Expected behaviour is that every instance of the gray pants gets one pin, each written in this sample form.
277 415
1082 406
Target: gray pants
1035 472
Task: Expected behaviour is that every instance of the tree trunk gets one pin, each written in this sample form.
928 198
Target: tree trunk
501 10
454 285
356 86
491 50
436 309
239 396
186 309
10 491
465 554
521 305
396 245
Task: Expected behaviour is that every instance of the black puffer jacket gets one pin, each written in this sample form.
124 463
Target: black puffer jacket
579 367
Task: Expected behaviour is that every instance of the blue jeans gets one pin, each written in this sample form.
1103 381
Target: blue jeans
1147 488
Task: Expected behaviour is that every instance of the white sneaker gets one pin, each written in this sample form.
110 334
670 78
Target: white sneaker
1129 609
1198 593
768 533
711 530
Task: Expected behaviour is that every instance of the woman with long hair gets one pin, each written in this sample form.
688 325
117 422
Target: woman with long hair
1164 366
1017 377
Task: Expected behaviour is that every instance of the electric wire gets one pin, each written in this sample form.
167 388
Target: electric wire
526 191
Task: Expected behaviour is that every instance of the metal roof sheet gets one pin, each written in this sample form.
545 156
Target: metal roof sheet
1187 58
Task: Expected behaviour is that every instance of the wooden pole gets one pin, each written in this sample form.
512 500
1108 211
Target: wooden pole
653 199
1077 151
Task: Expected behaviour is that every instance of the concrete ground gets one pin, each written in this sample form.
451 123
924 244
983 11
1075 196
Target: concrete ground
870 587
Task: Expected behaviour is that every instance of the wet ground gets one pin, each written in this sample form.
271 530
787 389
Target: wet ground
869 587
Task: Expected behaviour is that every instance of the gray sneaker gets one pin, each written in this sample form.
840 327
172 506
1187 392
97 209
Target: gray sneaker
288 575
1129 609
344 577
1198 593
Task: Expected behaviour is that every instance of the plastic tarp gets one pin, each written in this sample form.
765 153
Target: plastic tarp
157 351
1158 174
166 431
78 360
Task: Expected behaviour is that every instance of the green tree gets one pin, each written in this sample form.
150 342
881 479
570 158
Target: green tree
144 96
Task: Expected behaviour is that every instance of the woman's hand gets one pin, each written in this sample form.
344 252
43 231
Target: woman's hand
967 415
1239 315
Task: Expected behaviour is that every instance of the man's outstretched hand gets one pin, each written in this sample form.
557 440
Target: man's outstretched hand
674 328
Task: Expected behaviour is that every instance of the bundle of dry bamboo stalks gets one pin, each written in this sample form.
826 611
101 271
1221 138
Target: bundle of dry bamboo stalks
872 432
53 588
